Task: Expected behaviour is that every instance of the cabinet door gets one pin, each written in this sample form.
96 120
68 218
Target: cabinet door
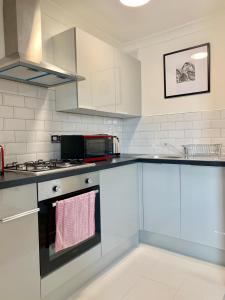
128 100
161 199
96 62
119 206
19 251
203 205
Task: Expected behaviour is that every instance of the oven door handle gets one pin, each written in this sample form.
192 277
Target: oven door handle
18 216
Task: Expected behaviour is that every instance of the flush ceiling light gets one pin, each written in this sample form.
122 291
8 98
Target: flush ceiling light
134 3
199 55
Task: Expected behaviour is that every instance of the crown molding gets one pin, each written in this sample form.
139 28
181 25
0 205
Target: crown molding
174 33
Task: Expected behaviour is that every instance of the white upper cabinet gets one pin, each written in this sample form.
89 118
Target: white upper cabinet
96 62
128 99
112 84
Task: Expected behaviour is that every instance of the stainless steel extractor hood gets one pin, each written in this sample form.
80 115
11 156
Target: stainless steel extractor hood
23 47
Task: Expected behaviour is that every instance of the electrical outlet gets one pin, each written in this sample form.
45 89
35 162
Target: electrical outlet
55 138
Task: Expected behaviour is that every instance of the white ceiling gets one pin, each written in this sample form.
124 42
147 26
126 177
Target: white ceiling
127 24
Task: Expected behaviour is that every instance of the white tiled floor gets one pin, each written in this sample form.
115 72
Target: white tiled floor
150 273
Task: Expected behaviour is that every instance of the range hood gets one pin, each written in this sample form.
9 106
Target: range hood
23 47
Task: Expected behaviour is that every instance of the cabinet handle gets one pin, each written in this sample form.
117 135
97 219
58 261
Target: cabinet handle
24 214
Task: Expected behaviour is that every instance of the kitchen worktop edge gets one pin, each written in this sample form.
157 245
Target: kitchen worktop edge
11 179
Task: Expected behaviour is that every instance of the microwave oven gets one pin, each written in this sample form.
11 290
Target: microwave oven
89 148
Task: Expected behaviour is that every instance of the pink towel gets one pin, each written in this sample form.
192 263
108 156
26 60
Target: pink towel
75 220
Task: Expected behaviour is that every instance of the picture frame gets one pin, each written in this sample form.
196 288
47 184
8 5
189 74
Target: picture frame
187 71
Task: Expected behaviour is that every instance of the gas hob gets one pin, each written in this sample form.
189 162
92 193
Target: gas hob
41 167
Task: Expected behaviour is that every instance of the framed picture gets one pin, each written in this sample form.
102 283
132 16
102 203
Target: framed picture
187 71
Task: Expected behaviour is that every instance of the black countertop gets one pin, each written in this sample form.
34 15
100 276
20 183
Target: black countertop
11 179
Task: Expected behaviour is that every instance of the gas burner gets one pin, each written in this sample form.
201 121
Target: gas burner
40 166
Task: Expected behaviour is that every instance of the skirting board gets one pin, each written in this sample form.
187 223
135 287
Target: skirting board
209 254
93 270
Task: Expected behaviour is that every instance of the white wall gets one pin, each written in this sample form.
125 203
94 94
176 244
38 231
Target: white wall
151 50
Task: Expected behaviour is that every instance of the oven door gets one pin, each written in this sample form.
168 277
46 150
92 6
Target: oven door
51 260
98 147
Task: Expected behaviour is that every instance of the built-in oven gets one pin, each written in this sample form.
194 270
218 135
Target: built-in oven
49 194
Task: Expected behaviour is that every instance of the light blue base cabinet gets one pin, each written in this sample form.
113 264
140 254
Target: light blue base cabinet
203 205
161 199
119 206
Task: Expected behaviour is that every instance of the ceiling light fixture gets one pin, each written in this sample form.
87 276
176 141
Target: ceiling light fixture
199 55
134 3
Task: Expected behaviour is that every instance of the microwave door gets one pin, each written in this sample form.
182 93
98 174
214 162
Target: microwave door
98 147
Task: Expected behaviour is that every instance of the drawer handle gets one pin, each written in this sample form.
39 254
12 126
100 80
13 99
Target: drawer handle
219 232
24 214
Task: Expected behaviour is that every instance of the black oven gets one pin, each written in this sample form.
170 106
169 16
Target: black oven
50 260
89 148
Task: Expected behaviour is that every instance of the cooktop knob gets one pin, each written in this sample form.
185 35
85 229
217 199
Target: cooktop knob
88 180
56 188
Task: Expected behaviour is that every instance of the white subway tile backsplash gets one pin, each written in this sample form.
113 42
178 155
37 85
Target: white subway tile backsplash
72 127
43 115
40 147
13 100
27 90
218 124
34 103
14 124
7 137
202 124
168 126
6 112
176 129
46 94
194 133
23 113
223 132
26 157
152 126
201 141
15 148
53 126
25 136
48 155
178 134
35 125
43 136
211 133
8 86
1 123
28 119
184 125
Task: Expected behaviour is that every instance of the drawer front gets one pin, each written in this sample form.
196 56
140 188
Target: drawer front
17 200
58 187
67 272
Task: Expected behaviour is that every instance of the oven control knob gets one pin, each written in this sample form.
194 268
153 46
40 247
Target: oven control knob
88 180
56 188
